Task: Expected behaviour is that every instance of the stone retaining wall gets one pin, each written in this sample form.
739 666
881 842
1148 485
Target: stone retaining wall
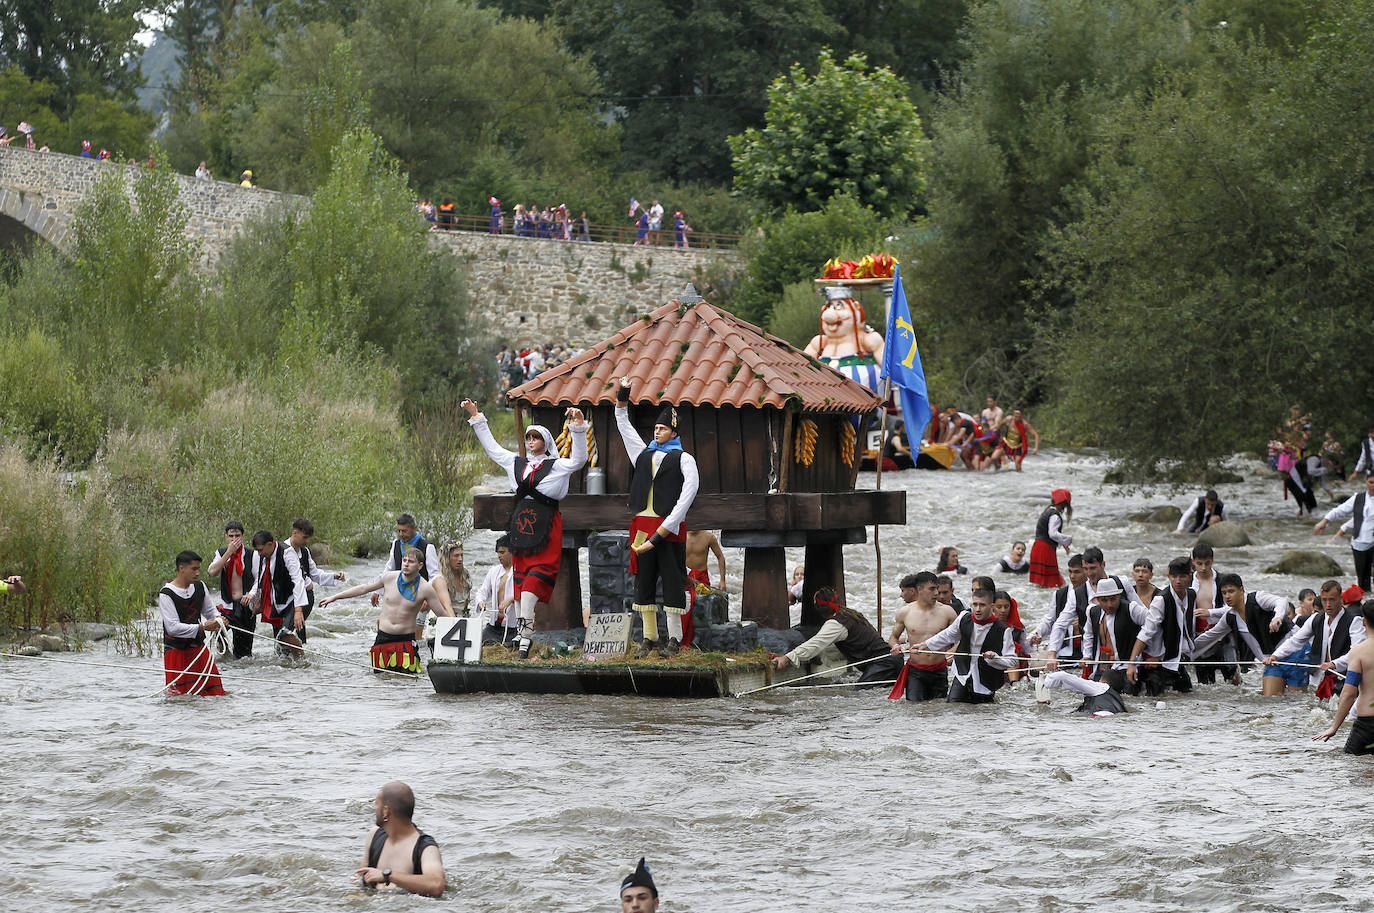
579 292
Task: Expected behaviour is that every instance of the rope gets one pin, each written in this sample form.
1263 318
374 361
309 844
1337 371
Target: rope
803 678
302 649
265 681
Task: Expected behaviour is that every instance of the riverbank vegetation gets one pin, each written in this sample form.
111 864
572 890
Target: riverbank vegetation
314 372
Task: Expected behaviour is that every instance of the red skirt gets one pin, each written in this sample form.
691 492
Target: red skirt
538 573
1044 565
191 670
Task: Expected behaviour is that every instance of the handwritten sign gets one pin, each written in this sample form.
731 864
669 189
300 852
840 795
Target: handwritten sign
608 636
458 639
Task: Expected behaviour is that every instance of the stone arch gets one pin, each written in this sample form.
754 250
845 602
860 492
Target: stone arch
25 214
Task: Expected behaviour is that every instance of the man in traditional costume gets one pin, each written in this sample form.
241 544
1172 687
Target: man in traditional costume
662 490
983 653
403 592
854 636
187 612
237 568
540 479
287 583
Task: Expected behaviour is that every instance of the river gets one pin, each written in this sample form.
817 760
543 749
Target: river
805 801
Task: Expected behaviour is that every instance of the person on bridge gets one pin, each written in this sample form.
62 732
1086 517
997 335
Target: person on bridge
662 490
540 480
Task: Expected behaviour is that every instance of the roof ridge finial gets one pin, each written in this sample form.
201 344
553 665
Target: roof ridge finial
689 295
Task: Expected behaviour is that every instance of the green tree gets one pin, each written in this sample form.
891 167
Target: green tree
80 46
795 248
686 74
1222 255
846 130
1015 130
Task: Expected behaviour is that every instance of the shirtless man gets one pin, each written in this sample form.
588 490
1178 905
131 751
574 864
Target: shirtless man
701 544
991 415
923 678
1361 740
402 592
398 853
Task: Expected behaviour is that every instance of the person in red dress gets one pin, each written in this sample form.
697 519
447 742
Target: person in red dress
1050 535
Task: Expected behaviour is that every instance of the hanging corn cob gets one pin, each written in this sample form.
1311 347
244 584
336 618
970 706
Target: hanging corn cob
805 447
847 444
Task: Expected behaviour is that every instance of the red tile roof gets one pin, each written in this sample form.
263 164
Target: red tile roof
692 354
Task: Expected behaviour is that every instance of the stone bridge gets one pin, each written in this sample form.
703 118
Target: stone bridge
535 290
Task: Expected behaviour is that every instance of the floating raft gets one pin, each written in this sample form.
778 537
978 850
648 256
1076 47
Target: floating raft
535 677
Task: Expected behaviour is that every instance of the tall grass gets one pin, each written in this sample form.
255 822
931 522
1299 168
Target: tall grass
69 545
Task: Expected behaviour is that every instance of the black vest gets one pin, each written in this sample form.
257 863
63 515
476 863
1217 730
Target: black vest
1257 620
283 590
527 488
1359 513
1124 630
245 579
1061 599
861 640
397 550
1201 514
1042 526
666 484
1173 626
991 677
1340 637
189 611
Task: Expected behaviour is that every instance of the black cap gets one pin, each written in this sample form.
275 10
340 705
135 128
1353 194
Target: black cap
640 877
668 417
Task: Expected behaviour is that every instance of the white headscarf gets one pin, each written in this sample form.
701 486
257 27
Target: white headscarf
550 449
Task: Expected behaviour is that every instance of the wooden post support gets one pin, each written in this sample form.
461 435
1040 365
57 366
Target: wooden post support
789 425
824 567
764 596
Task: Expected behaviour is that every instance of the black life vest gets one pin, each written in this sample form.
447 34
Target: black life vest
861 640
989 675
374 849
251 560
397 550
189 609
666 484
1124 630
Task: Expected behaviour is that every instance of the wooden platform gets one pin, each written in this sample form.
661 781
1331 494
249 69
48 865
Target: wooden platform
589 678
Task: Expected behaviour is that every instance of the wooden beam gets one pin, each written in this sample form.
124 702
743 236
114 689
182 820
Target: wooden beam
789 424
778 512
763 597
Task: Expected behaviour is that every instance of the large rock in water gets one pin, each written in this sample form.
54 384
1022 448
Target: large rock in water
1167 513
1303 562
1226 534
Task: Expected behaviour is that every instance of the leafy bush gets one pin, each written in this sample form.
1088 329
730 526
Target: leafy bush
42 400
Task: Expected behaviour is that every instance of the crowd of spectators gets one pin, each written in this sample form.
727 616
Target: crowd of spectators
515 366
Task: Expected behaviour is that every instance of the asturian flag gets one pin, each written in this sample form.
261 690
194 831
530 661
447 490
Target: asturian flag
902 363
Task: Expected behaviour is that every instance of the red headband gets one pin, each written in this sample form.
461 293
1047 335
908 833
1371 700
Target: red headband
833 605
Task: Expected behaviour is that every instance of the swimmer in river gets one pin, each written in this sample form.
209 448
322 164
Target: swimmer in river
1015 561
1098 697
924 677
1361 740
398 853
638 893
402 592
